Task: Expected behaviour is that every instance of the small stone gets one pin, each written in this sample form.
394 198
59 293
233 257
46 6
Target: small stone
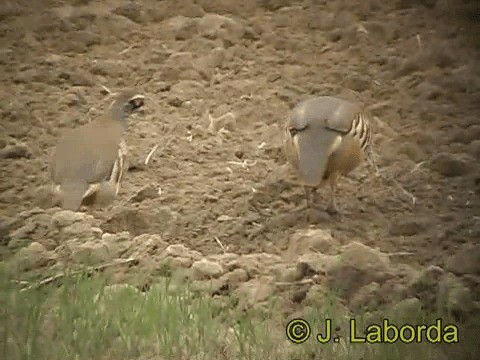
215 26
449 165
255 264
255 291
91 252
305 241
407 227
318 262
357 82
116 238
32 257
357 266
182 27
474 149
284 273
466 261
145 193
15 152
132 11
205 269
226 121
64 218
180 262
174 100
8 225
17 243
236 276
180 250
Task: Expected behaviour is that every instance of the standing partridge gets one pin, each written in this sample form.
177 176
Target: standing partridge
89 162
325 138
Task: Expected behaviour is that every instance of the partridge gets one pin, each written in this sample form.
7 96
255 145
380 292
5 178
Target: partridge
89 162
326 138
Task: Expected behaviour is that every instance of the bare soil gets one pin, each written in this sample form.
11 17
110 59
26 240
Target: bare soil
415 67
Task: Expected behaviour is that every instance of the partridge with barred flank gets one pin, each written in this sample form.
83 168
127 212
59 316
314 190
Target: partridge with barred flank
325 138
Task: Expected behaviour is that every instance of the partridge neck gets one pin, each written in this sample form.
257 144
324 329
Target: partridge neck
118 114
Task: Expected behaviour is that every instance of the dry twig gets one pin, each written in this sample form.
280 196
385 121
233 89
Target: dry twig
89 270
224 249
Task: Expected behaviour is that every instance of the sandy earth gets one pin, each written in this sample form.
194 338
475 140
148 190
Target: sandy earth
415 67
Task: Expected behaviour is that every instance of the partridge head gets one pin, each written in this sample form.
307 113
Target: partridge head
89 162
325 138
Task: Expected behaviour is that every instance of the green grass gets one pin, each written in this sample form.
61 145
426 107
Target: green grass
84 318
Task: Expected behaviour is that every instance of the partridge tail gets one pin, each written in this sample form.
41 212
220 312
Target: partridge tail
73 195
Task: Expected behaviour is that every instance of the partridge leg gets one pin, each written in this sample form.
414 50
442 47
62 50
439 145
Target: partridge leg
310 193
332 207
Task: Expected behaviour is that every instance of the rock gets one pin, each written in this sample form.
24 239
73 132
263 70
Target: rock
215 26
186 90
180 262
8 225
254 264
116 238
205 269
454 297
357 82
223 258
17 243
81 230
368 297
138 221
407 227
465 261
32 257
254 291
306 241
358 265
236 277
179 250
15 152
318 263
182 27
147 192
146 245
285 273
226 121
79 41
46 198
90 252
179 66
132 11
449 165
64 218
474 149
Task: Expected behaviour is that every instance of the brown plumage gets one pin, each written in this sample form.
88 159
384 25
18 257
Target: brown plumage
325 138
89 162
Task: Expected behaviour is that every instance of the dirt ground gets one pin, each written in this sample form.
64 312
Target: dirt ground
414 66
